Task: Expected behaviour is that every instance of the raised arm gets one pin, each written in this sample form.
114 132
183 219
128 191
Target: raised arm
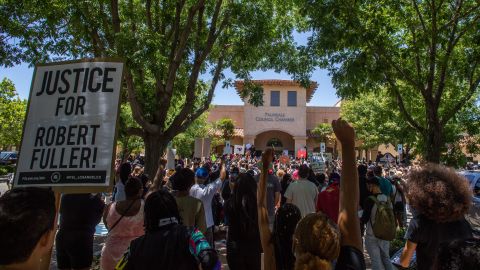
265 233
348 221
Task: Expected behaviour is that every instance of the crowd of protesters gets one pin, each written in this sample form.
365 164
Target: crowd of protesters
296 217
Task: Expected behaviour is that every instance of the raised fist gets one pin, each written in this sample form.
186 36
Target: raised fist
344 132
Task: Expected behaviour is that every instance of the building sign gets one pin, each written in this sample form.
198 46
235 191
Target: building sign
69 133
274 117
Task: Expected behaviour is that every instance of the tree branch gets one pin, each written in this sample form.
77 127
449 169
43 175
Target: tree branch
401 105
444 67
148 13
115 16
419 14
133 131
197 64
137 111
432 55
473 85
183 120
179 49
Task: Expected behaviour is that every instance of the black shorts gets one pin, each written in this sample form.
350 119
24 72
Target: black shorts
74 249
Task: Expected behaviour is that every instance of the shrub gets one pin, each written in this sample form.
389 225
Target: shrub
398 242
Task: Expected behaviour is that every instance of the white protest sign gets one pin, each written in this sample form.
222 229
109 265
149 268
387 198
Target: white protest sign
171 158
238 150
322 147
227 150
318 166
69 132
285 152
399 148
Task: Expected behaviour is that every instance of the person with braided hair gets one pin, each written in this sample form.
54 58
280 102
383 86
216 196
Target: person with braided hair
318 241
243 238
277 245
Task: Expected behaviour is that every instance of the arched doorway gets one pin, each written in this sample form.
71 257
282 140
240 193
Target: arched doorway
280 140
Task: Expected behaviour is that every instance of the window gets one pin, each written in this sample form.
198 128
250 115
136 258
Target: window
275 98
292 98
325 121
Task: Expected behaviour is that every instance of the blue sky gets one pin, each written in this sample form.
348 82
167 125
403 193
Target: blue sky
21 75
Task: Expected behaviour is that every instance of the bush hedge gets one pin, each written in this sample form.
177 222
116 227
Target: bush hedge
6 169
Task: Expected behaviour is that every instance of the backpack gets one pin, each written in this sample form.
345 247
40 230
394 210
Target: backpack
385 226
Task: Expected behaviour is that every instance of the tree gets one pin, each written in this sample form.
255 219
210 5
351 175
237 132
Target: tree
12 115
175 50
226 127
324 131
425 53
185 141
377 121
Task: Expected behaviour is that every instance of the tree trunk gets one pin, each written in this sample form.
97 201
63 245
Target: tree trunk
154 150
434 142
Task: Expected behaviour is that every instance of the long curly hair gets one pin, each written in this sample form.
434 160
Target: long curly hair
438 193
317 242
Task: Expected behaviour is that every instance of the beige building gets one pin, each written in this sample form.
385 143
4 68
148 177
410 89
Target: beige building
284 121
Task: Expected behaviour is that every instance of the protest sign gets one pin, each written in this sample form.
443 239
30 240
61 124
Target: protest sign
69 134
284 159
322 147
238 150
198 148
301 153
227 150
318 166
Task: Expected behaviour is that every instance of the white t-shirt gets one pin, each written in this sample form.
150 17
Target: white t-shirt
205 194
303 194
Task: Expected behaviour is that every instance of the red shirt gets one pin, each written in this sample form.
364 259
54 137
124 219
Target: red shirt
328 201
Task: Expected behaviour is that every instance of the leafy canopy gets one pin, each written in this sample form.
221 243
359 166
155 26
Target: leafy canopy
426 54
12 114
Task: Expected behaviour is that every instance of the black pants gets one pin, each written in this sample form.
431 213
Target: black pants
74 249
243 258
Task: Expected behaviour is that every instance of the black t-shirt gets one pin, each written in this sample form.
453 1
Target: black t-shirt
166 249
429 235
80 212
350 259
243 233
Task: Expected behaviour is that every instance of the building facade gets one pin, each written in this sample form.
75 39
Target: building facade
284 121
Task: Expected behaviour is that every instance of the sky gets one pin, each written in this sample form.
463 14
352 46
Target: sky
325 95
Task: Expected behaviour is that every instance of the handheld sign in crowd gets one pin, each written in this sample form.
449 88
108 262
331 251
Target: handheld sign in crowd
69 136
239 149
322 147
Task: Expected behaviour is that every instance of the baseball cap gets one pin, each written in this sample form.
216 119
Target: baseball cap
201 173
